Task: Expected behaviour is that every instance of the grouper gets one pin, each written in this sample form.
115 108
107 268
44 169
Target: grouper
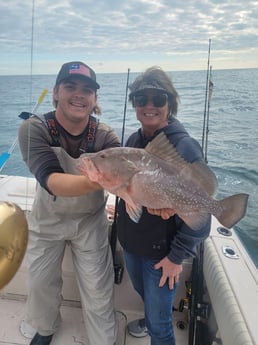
158 177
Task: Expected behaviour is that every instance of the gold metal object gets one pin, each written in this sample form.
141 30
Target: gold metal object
13 240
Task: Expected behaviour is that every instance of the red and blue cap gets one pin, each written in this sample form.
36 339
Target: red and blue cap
79 68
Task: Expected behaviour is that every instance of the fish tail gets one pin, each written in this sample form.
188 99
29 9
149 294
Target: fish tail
233 209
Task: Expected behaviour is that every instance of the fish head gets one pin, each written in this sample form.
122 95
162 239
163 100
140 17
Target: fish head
111 168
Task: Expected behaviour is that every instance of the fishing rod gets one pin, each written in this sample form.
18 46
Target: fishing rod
118 268
206 95
125 107
24 115
199 310
208 115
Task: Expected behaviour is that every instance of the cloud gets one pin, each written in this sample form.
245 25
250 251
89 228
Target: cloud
136 32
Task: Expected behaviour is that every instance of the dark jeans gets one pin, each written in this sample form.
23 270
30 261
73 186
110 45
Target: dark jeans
158 302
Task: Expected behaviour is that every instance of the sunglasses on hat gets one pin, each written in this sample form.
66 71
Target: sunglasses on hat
158 100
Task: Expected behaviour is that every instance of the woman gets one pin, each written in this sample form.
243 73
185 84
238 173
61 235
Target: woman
156 246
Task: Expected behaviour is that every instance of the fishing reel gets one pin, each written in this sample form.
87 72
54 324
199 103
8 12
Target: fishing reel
184 303
201 309
13 240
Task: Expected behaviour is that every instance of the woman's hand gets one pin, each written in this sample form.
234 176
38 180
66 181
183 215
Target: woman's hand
164 213
170 272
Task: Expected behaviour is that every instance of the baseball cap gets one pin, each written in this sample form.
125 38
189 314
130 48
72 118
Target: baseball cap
73 68
136 88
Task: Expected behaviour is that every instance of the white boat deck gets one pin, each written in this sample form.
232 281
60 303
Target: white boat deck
13 297
128 306
231 289
71 330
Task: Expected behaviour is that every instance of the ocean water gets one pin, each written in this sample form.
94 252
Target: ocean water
232 149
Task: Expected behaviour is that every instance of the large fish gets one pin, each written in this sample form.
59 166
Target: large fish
158 177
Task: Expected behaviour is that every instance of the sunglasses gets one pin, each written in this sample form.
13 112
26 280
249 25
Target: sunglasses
158 100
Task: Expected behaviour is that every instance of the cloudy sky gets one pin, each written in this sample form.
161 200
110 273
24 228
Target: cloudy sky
114 35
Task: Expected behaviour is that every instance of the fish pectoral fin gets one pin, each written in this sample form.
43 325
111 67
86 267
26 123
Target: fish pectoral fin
195 220
134 211
131 167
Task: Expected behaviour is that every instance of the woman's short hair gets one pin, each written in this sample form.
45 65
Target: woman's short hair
155 78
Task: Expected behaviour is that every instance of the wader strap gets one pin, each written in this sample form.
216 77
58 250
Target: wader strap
52 127
88 142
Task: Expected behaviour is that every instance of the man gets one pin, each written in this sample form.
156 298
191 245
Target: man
68 208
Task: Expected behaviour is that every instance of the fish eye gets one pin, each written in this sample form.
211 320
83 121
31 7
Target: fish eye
103 155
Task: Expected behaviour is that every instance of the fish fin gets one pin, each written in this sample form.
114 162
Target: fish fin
205 176
232 209
134 212
195 220
132 168
162 148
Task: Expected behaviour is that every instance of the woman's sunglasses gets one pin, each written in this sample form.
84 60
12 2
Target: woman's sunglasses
158 100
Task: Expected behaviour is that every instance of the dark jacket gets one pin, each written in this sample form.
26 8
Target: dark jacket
152 237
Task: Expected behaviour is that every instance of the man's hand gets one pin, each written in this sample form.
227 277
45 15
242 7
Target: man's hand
170 272
164 213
